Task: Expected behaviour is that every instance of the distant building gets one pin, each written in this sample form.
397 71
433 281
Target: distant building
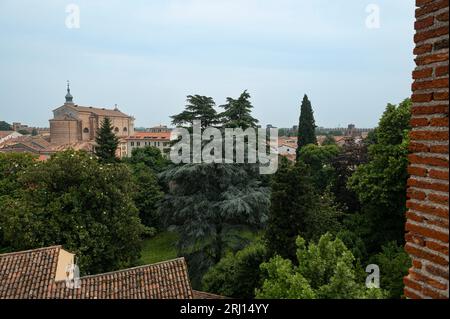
160 139
159 129
74 123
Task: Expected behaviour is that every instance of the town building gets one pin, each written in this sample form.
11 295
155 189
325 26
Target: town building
160 140
8 135
74 123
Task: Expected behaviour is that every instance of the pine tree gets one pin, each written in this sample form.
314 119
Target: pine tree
306 126
197 108
107 142
238 112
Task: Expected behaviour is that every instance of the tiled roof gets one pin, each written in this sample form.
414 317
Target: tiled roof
31 274
99 111
28 274
150 135
206 295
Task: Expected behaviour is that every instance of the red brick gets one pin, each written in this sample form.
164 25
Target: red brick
427 232
434 161
418 147
415 122
421 49
440 96
426 279
413 194
433 294
437 247
411 216
433 58
442 149
417 263
418 98
433 84
412 284
424 23
440 199
415 238
420 74
425 35
442 16
432 210
441 70
437 109
410 294
430 6
437 222
429 135
433 173
420 3
436 271
427 185
418 171
420 253
439 121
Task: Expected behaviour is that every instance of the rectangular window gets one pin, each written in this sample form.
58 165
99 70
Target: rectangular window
138 143
132 143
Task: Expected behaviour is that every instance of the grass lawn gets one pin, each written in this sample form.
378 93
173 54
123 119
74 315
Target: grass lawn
159 248
162 246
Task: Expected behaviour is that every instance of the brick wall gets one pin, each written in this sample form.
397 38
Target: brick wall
427 228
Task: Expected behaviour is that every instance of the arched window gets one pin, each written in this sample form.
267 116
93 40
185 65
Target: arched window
86 130
116 130
125 129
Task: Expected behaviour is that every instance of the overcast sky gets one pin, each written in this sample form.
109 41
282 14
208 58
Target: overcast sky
146 56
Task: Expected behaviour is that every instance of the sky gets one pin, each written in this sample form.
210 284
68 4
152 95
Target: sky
147 56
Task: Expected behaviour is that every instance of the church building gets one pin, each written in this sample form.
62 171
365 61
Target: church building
73 123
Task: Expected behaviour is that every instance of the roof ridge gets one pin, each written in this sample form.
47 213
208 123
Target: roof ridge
136 267
31 250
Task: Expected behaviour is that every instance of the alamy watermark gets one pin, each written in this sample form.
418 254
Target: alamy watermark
373 279
373 19
73 17
228 146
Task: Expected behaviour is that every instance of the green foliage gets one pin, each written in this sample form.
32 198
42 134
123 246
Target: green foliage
237 112
381 183
237 275
329 140
146 195
5 126
319 159
296 209
150 156
394 263
306 125
161 247
325 270
107 142
23 132
74 201
197 108
12 166
205 203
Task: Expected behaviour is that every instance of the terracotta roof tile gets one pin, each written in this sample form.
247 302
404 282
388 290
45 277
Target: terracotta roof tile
31 274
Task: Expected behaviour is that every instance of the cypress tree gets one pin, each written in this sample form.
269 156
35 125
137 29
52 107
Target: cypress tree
107 142
306 126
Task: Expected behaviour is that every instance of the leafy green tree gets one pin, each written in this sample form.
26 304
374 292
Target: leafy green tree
107 142
292 198
306 126
319 159
5 126
394 263
351 155
238 112
74 201
381 183
329 140
23 132
149 156
146 195
205 203
197 108
325 270
237 275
